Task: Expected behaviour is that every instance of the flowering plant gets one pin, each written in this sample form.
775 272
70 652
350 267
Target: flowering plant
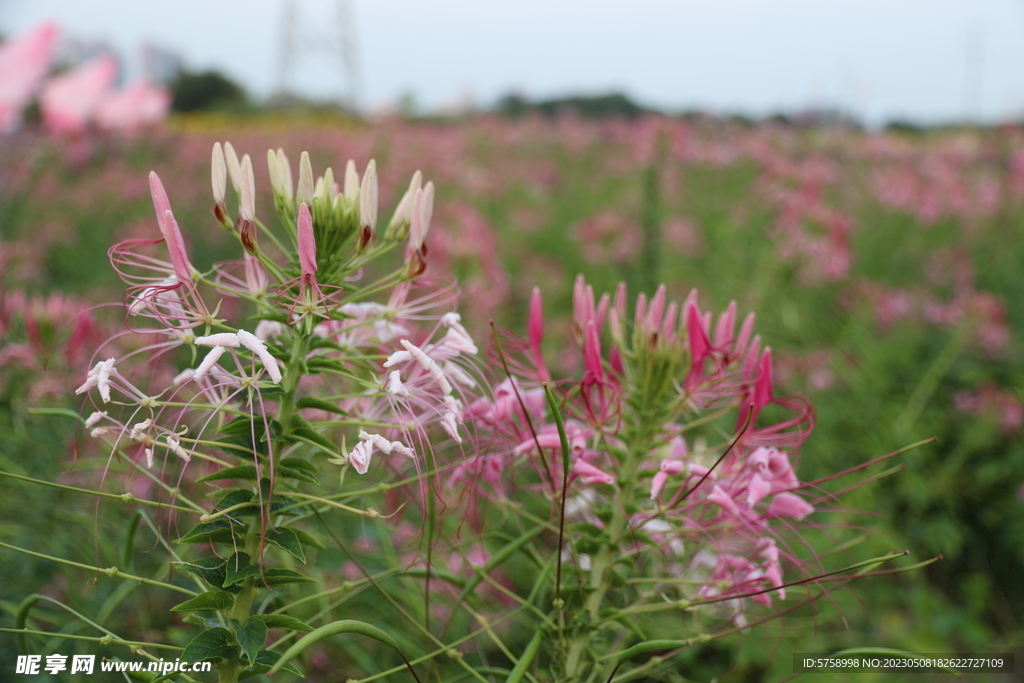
656 494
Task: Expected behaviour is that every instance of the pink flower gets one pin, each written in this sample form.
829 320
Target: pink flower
723 500
137 105
588 474
789 505
24 61
69 101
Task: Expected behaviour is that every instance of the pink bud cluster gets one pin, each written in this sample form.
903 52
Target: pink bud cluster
719 513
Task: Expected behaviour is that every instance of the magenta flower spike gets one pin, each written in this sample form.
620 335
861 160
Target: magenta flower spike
697 336
592 352
726 327
763 387
588 474
746 330
655 311
307 242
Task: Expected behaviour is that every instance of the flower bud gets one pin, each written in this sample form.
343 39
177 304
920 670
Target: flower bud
284 168
368 197
218 174
248 205
351 181
247 235
305 179
399 225
234 168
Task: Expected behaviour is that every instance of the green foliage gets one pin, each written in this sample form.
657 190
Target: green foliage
206 91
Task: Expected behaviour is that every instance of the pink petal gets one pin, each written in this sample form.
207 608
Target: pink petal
789 505
307 242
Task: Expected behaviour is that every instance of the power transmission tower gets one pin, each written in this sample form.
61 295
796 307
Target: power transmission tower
334 40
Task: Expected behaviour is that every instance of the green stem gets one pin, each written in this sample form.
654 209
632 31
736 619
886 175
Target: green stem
251 541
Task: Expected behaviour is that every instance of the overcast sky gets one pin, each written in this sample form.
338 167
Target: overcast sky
929 60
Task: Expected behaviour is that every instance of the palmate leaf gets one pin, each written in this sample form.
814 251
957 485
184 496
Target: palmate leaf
246 472
264 660
238 568
218 531
209 569
287 540
319 404
215 643
297 468
250 637
214 601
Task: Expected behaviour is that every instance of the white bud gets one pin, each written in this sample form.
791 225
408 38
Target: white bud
234 168
351 181
218 173
305 179
368 197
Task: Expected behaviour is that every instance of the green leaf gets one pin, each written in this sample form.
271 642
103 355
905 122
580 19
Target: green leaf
209 569
264 660
319 404
283 621
316 364
301 428
218 531
250 637
129 539
238 437
588 529
243 426
217 601
247 472
299 464
334 628
286 539
308 539
241 447
292 473
216 643
238 568
235 497
277 577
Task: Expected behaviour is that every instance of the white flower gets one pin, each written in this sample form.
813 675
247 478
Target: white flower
253 343
94 418
138 433
175 445
395 385
211 359
221 339
99 377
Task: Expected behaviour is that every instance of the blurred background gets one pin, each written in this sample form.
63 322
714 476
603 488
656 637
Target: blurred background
851 171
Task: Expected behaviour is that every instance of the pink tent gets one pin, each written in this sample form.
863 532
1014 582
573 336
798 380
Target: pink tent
24 61
69 101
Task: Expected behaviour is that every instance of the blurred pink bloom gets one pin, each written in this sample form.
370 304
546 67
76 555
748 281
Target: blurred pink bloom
70 101
135 106
24 62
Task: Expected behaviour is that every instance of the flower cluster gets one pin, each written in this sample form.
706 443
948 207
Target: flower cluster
321 328
652 484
